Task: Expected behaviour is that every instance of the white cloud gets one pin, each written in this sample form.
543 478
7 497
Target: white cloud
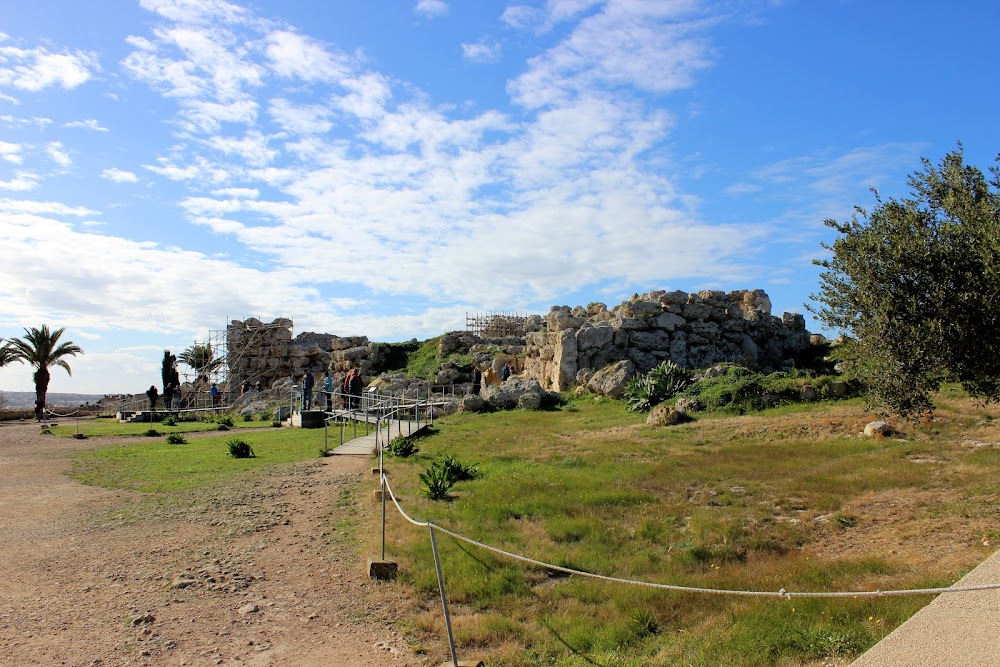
11 152
22 181
88 124
292 55
58 154
482 51
119 175
301 119
39 68
431 8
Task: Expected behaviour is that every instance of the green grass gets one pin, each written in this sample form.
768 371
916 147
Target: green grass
721 503
94 428
157 467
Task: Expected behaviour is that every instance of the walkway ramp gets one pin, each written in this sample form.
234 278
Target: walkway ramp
954 629
365 444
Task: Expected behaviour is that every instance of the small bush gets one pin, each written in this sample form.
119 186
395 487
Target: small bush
437 480
240 449
403 446
275 424
176 439
265 416
222 427
169 421
226 421
458 470
152 433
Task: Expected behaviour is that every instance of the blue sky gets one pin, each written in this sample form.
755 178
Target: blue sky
383 168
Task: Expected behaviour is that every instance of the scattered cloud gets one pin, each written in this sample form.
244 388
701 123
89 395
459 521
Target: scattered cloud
88 124
483 51
11 152
119 175
58 153
38 68
431 8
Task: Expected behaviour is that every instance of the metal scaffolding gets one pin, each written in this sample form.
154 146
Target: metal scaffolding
496 324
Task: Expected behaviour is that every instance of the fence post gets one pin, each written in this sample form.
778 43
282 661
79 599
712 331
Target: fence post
444 598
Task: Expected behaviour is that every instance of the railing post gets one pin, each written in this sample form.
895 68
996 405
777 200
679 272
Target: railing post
444 598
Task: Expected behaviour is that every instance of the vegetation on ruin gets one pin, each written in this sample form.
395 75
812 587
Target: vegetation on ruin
425 363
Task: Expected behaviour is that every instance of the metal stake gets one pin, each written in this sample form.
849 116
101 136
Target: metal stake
444 599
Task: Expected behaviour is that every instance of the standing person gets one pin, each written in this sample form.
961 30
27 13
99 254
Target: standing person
39 409
256 386
245 387
152 394
307 391
216 395
477 380
328 388
345 387
355 389
168 396
505 372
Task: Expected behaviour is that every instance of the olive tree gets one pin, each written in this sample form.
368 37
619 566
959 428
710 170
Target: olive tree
917 282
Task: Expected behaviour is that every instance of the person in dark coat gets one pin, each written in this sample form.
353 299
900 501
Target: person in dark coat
355 389
477 380
168 396
152 394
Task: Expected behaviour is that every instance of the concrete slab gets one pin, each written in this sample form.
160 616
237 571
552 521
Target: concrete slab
954 629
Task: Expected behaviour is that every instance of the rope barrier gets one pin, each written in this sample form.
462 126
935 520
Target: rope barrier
56 414
782 593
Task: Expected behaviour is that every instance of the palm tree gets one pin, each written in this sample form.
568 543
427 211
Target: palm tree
41 348
201 359
7 354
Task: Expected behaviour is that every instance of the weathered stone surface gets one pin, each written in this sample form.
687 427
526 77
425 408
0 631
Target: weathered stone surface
611 380
875 428
530 401
594 336
807 393
507 394
472 403
666 415
685 404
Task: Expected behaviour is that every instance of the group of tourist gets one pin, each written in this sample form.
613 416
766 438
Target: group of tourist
350 390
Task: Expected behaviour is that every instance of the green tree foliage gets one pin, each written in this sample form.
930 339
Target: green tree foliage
41 348
917 282
168 370
7 353
201 358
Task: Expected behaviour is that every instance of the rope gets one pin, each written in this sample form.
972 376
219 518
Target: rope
782 593
55 414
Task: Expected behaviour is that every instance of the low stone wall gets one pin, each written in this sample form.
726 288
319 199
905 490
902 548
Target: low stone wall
693 330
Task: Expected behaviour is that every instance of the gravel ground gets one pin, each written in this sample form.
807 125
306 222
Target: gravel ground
256 573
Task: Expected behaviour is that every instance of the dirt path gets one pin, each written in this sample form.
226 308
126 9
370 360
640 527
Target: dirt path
259 574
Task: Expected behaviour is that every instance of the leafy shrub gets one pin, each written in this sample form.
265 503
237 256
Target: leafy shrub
169 421
225 420
437 480
240 449
403 446
176 439
275 424
647 391
265 416
222 427
152 433
458 470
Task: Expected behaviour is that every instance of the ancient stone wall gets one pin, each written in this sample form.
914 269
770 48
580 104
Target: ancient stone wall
693 330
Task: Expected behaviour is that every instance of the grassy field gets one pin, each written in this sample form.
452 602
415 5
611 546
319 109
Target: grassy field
94 428
153 466
791 498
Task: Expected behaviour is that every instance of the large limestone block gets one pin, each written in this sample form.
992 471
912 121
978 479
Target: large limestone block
508 394
668 321
565 354
611 380
590 336
648 341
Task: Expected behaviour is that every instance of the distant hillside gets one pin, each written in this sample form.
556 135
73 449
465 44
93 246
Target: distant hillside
14 400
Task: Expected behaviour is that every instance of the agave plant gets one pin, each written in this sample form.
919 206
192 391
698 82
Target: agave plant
647 391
